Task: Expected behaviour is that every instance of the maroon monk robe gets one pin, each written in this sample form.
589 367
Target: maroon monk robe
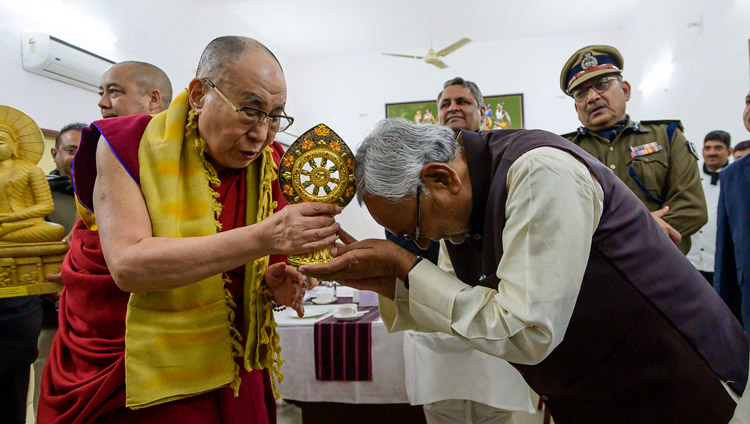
84 381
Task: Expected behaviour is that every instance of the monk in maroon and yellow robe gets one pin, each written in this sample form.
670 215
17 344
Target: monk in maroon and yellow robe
84 380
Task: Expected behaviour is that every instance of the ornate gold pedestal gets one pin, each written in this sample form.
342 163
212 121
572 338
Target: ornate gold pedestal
317 257
23 267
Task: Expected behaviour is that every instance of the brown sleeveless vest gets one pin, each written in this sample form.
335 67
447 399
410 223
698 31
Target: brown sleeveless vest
649 341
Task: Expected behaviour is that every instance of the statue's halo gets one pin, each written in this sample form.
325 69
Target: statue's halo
28 135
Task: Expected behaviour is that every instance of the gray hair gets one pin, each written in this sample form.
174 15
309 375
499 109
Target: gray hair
390 159
468 84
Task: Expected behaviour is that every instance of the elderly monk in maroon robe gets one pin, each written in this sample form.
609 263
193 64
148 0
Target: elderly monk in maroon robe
183 204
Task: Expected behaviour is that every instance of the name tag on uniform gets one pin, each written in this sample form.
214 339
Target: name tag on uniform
644 149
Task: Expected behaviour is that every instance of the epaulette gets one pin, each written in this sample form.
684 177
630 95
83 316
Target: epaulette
665 122
580 131
569 135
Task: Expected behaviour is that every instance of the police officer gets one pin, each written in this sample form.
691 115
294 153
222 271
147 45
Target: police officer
653 158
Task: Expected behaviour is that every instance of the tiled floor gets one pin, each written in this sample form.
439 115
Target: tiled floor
287 413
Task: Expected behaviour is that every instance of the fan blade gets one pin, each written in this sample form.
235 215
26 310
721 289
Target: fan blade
439 63
452 47
404 55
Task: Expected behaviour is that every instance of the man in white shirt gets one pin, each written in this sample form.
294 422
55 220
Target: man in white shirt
716 151
556 263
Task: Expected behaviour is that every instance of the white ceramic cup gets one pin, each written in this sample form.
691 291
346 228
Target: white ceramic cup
355 295
324 297
347 310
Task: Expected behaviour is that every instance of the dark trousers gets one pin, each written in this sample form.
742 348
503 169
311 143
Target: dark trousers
20 324
709 276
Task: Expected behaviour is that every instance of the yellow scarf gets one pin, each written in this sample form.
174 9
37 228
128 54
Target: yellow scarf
182 342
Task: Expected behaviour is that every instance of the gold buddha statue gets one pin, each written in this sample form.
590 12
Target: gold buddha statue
26 198
29 247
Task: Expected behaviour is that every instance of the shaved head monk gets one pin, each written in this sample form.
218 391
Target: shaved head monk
184 205
130 88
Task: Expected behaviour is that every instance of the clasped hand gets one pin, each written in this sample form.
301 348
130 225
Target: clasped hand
367 265
287 286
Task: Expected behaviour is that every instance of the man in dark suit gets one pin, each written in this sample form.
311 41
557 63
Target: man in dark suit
732 272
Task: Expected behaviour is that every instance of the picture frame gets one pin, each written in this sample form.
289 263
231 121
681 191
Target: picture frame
425 111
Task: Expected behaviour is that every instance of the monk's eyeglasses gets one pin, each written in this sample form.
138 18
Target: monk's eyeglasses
415 237
251 116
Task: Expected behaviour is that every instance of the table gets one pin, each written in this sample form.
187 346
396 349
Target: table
383 399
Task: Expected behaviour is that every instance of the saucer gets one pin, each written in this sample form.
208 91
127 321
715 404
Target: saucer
310 313
354 317
313 314
318 302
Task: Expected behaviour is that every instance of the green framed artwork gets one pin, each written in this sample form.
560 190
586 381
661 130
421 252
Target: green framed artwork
498 112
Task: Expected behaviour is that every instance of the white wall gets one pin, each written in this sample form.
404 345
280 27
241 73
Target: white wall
349 93
710 80
177 32
706 91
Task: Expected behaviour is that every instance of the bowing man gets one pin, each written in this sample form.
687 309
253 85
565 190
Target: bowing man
559 269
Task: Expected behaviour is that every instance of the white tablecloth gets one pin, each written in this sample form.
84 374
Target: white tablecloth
387 385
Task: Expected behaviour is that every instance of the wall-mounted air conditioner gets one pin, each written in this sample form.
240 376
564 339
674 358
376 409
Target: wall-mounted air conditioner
51 57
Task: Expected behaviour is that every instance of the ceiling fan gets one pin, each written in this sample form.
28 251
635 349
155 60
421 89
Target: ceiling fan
433 57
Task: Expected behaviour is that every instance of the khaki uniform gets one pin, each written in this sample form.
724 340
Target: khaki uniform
670 177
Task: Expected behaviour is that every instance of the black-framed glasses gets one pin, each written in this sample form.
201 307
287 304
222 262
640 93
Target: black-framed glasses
251 116
580 93
409 237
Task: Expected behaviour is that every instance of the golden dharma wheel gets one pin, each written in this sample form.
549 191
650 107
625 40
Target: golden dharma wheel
320 176
317 167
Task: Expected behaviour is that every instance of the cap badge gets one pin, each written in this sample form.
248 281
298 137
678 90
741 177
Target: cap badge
588 61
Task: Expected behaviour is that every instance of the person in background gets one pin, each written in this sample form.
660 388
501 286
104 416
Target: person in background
65 214
741 149
129 88
60 183
717 147
729 291
652 158
732 268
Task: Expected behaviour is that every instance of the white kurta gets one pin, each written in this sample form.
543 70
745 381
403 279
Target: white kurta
703 247
553 208
432 359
